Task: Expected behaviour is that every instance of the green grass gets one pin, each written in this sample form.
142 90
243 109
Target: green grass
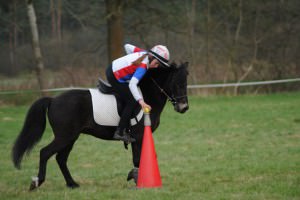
245 147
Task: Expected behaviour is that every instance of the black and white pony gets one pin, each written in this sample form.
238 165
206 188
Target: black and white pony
73 112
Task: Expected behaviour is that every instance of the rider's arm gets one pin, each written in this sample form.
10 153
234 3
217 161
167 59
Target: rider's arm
129 48
137 76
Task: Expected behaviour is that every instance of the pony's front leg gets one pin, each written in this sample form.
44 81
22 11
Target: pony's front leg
136 153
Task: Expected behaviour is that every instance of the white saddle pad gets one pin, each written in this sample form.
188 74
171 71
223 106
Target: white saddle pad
105 109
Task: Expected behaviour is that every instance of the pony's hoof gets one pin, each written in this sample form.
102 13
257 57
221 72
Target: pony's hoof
73 185
133 174
34 183
32 186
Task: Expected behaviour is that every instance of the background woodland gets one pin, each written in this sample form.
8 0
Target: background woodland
224 41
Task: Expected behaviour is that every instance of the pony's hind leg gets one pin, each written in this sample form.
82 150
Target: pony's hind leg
45 153
61 158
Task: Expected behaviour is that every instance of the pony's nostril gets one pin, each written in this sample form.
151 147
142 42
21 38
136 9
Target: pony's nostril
182 108
185 109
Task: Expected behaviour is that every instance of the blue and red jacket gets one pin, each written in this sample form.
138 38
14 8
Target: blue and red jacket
126 72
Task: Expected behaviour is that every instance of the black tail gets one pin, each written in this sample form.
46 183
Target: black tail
32 131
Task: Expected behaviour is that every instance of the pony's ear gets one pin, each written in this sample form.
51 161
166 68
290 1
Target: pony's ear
173 65
186 64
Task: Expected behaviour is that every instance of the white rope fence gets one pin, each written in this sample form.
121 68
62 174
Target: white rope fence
189 86
45 90
243 83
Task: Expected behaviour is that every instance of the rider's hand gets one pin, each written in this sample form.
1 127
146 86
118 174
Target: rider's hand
144 105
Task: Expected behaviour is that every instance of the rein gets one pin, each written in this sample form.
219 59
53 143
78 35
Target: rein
173 100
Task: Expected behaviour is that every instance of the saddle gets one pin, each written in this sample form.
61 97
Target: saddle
105 87
105 94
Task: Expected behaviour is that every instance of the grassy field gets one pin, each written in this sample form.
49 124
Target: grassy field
245 147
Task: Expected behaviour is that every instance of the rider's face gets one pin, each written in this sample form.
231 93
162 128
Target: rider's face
154 63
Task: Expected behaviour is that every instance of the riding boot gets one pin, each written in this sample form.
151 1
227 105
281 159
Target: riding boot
123 135
118 135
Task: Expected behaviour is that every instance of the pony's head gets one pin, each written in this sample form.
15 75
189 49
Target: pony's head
176 86
167 83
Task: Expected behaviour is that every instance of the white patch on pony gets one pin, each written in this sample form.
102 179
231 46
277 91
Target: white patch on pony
35 179
105 109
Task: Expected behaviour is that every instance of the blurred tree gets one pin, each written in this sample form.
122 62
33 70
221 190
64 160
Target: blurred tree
232 40
36 44
115 34
13 35
191 17
10 7
56 18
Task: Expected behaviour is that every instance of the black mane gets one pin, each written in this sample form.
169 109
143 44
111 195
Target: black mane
163 74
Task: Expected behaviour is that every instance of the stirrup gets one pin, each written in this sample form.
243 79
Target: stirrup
125 137
128 138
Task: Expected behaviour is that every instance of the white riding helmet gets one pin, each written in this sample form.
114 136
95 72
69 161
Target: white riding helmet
161 53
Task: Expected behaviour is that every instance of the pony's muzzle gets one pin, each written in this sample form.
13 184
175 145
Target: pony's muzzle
181 107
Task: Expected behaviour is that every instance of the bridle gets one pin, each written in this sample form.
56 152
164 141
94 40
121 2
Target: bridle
173 100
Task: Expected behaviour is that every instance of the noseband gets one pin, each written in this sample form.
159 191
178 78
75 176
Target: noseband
173 100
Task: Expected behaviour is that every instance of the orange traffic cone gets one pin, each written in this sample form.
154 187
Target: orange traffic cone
148 175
